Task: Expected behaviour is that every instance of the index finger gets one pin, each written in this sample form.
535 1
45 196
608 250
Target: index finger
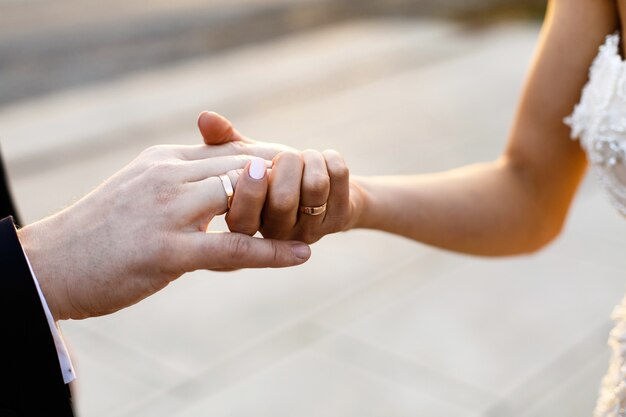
244 215
263 150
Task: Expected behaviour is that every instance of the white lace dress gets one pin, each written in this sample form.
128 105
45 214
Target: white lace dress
599 122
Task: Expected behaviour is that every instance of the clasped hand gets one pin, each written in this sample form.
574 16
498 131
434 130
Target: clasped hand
147 225
296 180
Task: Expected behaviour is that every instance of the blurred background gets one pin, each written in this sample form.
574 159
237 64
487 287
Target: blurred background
373 325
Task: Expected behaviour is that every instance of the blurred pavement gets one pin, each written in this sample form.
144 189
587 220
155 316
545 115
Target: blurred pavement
50 45
373 325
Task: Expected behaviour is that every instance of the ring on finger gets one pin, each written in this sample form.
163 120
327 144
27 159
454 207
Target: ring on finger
228 188
313 211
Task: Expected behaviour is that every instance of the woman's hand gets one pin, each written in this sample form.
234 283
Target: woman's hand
311 181
308 196
145 227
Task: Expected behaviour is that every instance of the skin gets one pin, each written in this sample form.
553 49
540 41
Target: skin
308 178
146 226
513 205
518 203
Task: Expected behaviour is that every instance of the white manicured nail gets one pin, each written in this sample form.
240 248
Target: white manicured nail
257 168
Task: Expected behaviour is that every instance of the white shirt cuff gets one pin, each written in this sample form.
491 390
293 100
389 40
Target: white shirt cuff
67 369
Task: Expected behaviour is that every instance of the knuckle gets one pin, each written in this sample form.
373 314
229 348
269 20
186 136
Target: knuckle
163 168
163 191
276 253
290 157
165 195
237 245
238 148
310 153
317 184
243 158
237 224
336 164
282 204
341 171
152 149
156 151
331 154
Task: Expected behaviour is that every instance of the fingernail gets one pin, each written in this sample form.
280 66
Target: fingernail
257 168
301 251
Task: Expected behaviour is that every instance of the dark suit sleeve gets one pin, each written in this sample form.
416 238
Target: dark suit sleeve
7 208
32 374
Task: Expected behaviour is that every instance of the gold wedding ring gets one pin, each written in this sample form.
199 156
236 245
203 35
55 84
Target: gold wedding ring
313 211
228 189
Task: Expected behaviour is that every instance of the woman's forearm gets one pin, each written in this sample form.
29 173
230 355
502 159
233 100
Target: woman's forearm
485 209
518 203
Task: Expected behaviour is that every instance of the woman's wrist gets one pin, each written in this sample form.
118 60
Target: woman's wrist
360 200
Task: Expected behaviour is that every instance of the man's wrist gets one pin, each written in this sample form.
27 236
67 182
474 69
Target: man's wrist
30 239
67 369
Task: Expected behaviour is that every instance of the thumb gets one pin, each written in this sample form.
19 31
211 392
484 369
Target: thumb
221 250
216 129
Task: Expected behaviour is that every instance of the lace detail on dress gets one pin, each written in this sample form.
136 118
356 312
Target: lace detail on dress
612 400
599 121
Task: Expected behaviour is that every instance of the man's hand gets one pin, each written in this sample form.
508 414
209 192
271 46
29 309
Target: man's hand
145 227
308 179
